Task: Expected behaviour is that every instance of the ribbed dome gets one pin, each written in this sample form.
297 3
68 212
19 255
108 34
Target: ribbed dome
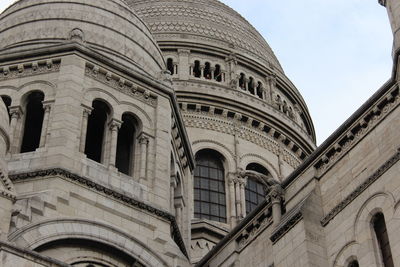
204 21
107 26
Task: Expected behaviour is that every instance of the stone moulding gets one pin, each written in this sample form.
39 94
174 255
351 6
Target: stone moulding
361 188
366 123
16 177
286 227
29 69
117 82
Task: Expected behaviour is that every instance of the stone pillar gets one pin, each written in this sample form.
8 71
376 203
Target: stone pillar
184 70
114 127
276 195
45 125
232 198
238 201
202 71
15 113
85 119
144 142
212 73
243 197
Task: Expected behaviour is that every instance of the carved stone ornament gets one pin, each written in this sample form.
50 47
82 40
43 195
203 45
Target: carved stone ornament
77 35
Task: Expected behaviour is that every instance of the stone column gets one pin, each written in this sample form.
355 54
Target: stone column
184 70
242 183
212 73
15 113
276 195
238 201
144 142
114 127
232 200
85 119
45 125
202 71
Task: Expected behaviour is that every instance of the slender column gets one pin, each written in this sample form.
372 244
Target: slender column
114 127
85 118
143 141
191 70
202 71
212 73
45 125
232 201
242 197
237 200
276 196
15 115
178 214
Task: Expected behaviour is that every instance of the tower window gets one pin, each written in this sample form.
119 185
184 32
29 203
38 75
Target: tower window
125 145
250 86
242 81
354 263
379 225
254 190
170 66
196 69
218 73
209 187
207 71
33 122
96 130
260 90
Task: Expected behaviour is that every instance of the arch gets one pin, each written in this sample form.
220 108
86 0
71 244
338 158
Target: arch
33 121
35 235
255 158
250 86
196 69
218 73
382 238
228 155
209 186
7 102
92 94
47 88
347 254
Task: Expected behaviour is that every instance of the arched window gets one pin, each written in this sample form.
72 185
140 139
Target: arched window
379 225
218 73
260 90
207 71
353 263
125 144
242 81
254 190
34 114
250 86
196 69
170 66
7 103
96 130
209 187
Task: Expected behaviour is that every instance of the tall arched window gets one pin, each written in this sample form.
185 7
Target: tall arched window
260 90
353 263
254 190
250 86
34 114
170 66
196 69
207 71
7 103
379 225
209 187
242 81
125 144
218 73
96 130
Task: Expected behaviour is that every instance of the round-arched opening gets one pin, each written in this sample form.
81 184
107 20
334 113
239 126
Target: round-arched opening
250 86
218 73
207 71
87 253
125 144
260 90
354 263
96 130
34 114
257 168
242 81
196 69
209 186
255 189
7 102
170 66
382 238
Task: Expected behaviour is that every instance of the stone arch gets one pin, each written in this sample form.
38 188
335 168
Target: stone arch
254 158
142 117
38 234
220 148
347 254
99 94
47 88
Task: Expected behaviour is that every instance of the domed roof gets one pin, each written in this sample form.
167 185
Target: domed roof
107 26
204 21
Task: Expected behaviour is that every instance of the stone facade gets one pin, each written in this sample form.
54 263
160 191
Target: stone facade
165 133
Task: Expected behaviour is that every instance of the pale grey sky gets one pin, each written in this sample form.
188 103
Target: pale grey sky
337 52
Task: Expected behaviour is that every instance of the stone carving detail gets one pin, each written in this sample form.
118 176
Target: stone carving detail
361 188
29 69
120 84
109 192
358 130
77 35
8 191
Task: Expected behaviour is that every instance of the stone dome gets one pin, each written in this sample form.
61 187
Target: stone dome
107 26
204 21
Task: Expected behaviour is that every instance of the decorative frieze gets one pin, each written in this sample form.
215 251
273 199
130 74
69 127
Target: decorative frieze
361 188
29 69
118 83
358 130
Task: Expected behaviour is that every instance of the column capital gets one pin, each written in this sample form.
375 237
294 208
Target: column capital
143 139
16 112
115 125
86 110
276 193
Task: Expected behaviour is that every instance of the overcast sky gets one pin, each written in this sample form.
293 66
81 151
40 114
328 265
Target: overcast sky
337 52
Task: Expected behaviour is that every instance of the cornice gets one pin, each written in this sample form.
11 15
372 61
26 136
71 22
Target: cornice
361 188
67 175
29 68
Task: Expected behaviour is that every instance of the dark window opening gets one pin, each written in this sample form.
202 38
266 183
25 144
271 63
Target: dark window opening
196 69
33 122
254 190
125 145
251 86
257 168
260 90
207 71
382 237
96 129
170 66
209 187
354 264
242 81
7 103
218 73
